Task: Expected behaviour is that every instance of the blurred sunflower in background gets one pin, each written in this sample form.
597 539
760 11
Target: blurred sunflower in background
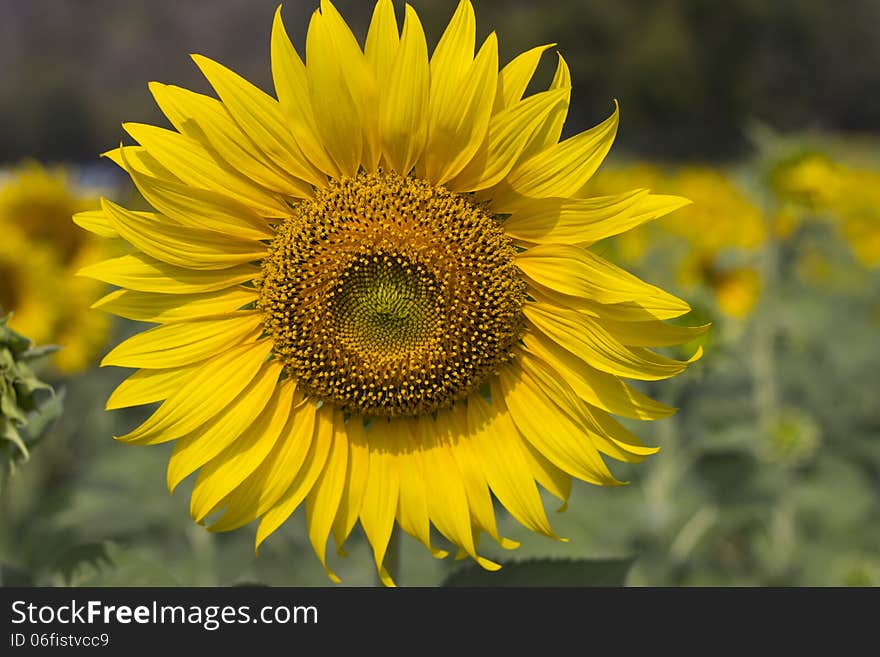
39 254
813 185
714 241
375 294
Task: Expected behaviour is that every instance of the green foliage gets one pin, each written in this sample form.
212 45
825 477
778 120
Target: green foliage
546 572
28 406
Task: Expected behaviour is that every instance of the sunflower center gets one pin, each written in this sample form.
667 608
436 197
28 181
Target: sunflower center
389 296
10 286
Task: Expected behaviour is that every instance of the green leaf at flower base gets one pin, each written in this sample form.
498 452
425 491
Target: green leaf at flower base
547 572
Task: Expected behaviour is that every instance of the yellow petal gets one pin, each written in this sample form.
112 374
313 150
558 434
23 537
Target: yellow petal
576 272
198 447
292 87
136 158
260 117
412 504
561 169
305 479
138 271
192 164
164 308
184 246
148 386
225 472
265 485
343 92
207 120
95 221
550 431
585 338
607 435
498 443
447 499
551 131
604 391
200 208
508 133
323 502
184 343
473 476
403 107
554 480
202 395
380 498
460 108
652 333
515 77
380 47
355 483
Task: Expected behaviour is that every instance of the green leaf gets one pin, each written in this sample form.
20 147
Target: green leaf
547 572
11 576
94 554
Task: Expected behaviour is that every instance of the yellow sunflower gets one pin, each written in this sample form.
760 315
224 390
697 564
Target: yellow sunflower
39 253
374 295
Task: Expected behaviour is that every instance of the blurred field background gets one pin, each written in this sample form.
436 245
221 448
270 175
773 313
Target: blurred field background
766 114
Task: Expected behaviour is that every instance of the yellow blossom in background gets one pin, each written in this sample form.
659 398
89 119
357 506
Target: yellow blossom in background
40 252
721 218
846 196
374 295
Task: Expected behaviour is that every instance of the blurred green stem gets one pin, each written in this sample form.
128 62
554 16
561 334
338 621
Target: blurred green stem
765 392
5 519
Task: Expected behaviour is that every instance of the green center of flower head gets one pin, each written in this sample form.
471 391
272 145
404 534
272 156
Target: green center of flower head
390 296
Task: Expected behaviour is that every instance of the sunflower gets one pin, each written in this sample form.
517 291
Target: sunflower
374 295
39 253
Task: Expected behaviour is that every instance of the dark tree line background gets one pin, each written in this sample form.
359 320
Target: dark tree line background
690 74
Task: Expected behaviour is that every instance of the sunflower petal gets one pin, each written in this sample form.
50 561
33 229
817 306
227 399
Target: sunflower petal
551 131
222 474
184 246
259 116
585 338
453 425
515 77
508 133
184 343
448 509
355 483
95 221
164 308
292 87
305 479
198 447
551 432
604 391
608 436
380 47
559 170
381 496
207 120
498 443
202 395
138 271
576 272
403 108
323 502
193 165
460 108
274 475
412 504
148 386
